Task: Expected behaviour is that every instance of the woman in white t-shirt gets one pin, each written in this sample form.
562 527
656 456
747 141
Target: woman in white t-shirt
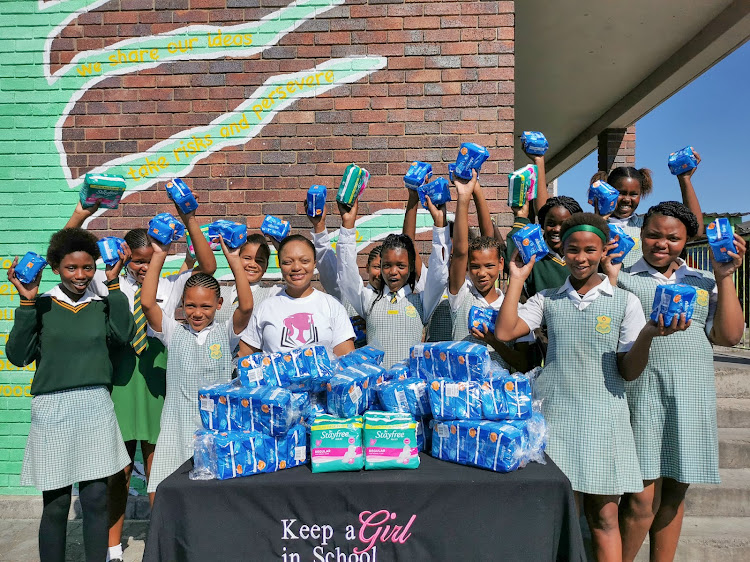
300 315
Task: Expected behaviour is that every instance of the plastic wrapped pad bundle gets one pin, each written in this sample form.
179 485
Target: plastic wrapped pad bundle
417 174
275 227
398 371
720 236
336 444
501 447
390 441
603 197
316 200
29 267
347 394
375 375
451 400
204 456
682 161
180 193
242 416
471 156
213 409
481 318
468 361
109 246
673 300
534 142
530 242
292 448
534 430
408 396
624 242
165 228
445 441
233 233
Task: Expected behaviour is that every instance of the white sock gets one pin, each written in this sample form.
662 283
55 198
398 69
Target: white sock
114 552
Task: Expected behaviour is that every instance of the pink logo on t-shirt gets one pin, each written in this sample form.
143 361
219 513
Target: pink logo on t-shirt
299 329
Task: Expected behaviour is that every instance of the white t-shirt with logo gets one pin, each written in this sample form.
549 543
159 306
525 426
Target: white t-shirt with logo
281 323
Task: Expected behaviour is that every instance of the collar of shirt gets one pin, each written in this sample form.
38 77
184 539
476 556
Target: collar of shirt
88 296
682 270
403 292
581 302
494 304
203 334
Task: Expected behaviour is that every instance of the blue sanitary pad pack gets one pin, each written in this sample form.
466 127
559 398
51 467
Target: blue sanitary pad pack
213 406
624 242
29 267
534 142
501 447
316 200
180 193
365 354
470 157
530 242
408 396
347 396
417 174
233 233
451 400
165 228
468 361
445 440
673 300
603 197
534 432
720 236
398 371
437 190
292 448
275 227
481 318
682 161
109 246
507 397
375 376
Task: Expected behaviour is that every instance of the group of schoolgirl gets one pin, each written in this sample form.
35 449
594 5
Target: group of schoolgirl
99 328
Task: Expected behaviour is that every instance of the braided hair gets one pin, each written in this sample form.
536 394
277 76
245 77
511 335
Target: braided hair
398 242
374 253
200 279
570 204
487 243
677 210
68 241
137 238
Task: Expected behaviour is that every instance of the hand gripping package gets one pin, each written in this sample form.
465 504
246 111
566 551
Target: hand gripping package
481 318
105 189
436 190
682 161
109 246
624 242
316 200
534 142
180 193
406 396
470 157
603 197
336 444
451 400
353 183
275 227
530 242
673 300
29 267
506 397
417 174
720 236
165 228
522 185
390 441
233 233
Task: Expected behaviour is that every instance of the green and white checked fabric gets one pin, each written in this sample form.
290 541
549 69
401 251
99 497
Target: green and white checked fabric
139 340
396 327
673 402
584 395
633 229
73 437
461 326
225 313
440 326
189 366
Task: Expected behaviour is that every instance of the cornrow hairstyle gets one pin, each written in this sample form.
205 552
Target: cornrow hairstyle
68 241
137 238
643 176
200 279
487 243
677 210
374 253
398 242
260 240
585 218
297 238
568 203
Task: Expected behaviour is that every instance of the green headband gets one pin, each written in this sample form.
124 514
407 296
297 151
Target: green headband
584 228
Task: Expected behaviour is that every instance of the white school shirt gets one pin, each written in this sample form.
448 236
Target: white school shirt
532 312
635 221
361 299
169 326
678 276
168 293
281 323
89 295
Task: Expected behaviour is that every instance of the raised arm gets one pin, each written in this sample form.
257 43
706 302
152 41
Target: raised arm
486 226
437 271
324 253
350 281
22 347
203 252
410 223
509 326
120 324
244 309
689 198
729 322
541 186
150 307
460 259
80 215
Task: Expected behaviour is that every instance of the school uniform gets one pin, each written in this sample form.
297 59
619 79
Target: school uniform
229 294
583 394
673 402
194 359
74 434
549 272
395 321
632 227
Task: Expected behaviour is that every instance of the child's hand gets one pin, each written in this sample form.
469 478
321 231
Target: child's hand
466 188
596 211
348 214
691 171
723 270
521 211
611 270
518 269
158 247
112 271
318 222
660 330
28 292
359 323
232 254
486 335
439 214
537 159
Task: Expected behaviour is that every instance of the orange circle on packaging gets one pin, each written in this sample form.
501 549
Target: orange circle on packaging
509 386
475 323
308 352
677 298
282 464
435 385
245 362
493 437
265 408
486 385
442 356
328 387
261 465
426 354
472 432
461 386
245 402
712 225
461 360
222 399
239 469
266 361
453 429
464 150
526 242
287 358
365 384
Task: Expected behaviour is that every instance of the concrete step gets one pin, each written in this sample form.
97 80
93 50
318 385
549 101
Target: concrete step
710 539
729 499
30 507
732 380
733 412
734 447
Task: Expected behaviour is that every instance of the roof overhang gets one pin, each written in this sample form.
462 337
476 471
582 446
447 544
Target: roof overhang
585 65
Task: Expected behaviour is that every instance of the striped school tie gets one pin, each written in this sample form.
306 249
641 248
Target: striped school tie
393 298
139 341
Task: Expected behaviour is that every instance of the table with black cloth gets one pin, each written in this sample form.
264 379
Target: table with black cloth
442 511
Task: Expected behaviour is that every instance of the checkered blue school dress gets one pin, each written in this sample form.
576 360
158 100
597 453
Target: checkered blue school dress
189 366
461 326
673 402
440 326
395 327
584 395
74 436
225 313
633 229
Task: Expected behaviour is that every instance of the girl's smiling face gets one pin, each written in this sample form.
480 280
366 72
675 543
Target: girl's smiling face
583 252
254 262
484 269
76 271
663 239
200 305
140 258
630 197
394 267
552 222
297 264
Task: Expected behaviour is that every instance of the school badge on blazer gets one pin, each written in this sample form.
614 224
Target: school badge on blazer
603 324
410 311
215 351
702 297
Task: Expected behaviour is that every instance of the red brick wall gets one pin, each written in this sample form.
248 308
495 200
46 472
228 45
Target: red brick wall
449 79
616 148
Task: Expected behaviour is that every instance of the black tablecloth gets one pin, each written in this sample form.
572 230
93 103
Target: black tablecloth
444 512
